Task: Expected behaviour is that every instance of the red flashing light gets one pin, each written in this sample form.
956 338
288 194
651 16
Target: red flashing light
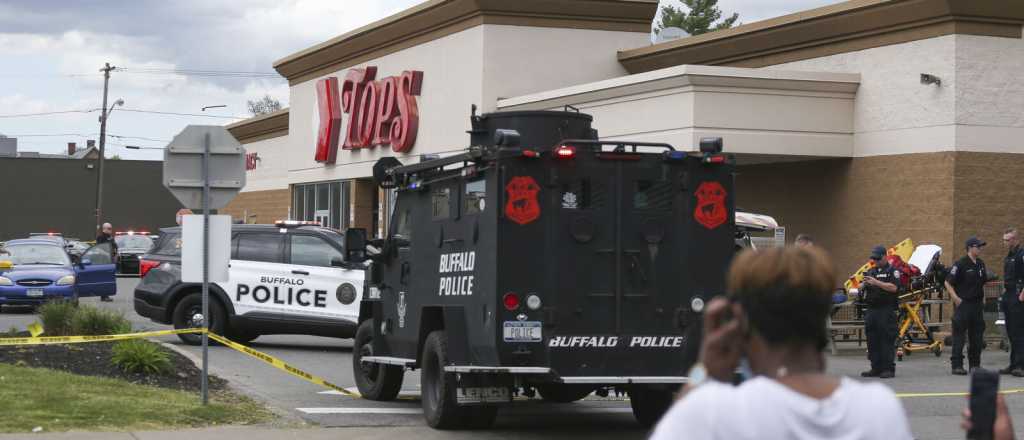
146 265
531 153
511 301
714 159
565 152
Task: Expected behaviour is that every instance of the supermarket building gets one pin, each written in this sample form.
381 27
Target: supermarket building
864 122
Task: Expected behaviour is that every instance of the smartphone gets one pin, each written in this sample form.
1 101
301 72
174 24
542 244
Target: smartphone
984 387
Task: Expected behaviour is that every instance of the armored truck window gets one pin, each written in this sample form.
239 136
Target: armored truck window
308 250
260 247
476 192
441 200
403 226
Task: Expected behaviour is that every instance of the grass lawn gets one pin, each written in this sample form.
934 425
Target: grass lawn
58 401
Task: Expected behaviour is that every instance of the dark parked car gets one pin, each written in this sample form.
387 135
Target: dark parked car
130 246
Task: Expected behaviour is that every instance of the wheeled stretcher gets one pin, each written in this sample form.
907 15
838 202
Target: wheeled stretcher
916 330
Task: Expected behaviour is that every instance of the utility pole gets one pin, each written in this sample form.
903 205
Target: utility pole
103 142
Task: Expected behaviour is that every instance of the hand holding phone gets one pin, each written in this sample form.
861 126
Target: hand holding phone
982 404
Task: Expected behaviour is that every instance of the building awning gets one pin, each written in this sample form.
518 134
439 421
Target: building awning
762 115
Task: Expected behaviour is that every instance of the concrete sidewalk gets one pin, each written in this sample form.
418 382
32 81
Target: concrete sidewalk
312 433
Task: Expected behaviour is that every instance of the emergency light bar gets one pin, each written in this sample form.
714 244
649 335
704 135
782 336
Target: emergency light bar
294 223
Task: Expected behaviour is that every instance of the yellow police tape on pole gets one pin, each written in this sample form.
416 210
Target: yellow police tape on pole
282 365
288 368
47 340
273 361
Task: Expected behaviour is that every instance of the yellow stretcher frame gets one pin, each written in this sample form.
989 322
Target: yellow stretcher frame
910 304
903 249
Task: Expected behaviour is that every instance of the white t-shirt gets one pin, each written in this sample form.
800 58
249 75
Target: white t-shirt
762 408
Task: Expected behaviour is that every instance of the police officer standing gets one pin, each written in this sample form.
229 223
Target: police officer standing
106 236
965 283
1012 301
881 287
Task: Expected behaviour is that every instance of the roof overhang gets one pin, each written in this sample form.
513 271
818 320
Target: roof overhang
762 115
839 28
434 19
262 127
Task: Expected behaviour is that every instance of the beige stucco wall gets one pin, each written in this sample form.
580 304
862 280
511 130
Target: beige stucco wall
452 77
271 171
894 112
990 94
754 111
519 60
474 66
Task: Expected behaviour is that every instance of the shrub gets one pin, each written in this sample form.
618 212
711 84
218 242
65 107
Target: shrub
91 321
57 317
141 356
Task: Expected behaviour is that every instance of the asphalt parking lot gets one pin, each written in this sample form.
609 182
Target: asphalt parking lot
918 377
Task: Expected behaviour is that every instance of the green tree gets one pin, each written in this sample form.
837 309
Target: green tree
264 105
698 17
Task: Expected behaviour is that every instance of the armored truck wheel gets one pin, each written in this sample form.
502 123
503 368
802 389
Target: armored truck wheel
375 381
189 314
562 393
438 391
649 404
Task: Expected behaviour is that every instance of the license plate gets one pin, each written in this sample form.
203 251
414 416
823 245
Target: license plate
522 331
34 293
483 395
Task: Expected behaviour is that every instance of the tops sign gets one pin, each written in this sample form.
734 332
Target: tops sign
380 112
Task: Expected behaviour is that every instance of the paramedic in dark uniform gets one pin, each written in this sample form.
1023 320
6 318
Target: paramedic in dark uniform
1012 302
966 283
881 288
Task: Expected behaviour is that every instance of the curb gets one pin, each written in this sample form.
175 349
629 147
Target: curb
290 418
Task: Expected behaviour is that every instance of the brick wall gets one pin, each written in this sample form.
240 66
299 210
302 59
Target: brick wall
989 198
267 206
364 192
850 205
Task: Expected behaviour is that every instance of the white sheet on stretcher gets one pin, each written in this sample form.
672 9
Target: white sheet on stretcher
923 255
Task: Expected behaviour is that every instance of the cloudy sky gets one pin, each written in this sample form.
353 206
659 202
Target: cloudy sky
51 53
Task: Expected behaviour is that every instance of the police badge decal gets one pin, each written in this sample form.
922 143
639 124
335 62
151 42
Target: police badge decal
710 211
522 206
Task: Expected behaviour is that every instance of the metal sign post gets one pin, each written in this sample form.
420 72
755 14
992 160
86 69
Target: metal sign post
206 267
220 160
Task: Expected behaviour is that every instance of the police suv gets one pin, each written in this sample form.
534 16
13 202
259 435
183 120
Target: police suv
543 260
284 279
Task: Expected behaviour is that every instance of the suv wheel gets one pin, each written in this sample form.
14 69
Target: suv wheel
649 404
375 381
561 393
438 391
189 314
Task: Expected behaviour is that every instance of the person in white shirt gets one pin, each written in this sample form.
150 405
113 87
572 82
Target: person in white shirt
775 316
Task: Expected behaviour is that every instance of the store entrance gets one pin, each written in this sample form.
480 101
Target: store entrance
323 202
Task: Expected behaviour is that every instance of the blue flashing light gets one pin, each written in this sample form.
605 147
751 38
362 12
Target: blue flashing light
675 155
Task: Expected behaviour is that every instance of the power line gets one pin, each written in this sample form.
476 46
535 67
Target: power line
23 115
202 73
136 137
134 110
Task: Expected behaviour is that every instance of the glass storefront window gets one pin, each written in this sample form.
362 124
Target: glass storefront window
325 202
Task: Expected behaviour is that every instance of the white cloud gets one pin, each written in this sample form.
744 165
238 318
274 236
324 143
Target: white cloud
50 56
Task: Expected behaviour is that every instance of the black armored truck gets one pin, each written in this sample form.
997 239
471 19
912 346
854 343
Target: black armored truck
542 261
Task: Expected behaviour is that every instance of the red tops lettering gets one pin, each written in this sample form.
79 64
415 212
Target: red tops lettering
380 112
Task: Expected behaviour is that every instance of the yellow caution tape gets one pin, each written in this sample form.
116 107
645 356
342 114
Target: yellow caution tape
282 365
960 394
47 340
35 329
